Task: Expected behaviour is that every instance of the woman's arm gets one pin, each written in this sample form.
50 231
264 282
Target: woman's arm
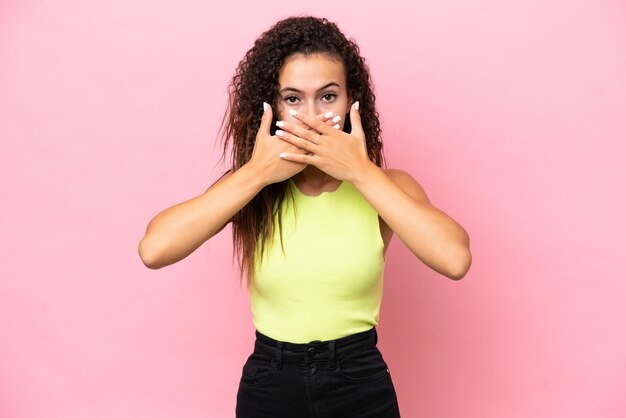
434 237
178 231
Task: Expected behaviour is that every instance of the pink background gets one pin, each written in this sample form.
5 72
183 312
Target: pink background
512 116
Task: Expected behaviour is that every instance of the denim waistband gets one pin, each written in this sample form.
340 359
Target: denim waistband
316 350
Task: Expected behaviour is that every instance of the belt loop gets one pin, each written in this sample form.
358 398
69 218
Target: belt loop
331 359
279 363
375 336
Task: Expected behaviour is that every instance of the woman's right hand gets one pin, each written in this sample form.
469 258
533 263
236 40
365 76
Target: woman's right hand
176 232
265 155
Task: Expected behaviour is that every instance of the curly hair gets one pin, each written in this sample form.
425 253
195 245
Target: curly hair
255 81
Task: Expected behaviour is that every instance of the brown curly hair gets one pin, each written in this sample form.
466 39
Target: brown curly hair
255 81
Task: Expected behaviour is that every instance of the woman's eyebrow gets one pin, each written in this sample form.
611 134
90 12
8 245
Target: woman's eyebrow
298 91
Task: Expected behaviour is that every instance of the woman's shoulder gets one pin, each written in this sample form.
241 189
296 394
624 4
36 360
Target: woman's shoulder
408 183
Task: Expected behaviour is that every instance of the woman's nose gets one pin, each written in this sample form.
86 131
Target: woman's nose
311 109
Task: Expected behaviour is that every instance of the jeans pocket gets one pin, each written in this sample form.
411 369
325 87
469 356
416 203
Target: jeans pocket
365 364
257 369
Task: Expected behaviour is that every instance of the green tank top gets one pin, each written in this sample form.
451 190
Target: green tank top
329 282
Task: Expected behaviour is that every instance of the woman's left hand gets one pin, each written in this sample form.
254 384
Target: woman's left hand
337 153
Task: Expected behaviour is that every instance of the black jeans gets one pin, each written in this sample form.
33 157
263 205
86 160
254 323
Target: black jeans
343 378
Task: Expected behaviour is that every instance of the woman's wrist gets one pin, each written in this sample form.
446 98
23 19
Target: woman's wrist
364 173
254 174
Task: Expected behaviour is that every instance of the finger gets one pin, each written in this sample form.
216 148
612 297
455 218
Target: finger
316 124
330 119
298 141
298 158
333 120
355 120
299 131
266 119
327 118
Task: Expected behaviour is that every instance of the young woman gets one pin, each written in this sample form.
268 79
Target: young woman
312 214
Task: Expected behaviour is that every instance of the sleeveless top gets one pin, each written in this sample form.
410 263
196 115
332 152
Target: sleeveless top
328 283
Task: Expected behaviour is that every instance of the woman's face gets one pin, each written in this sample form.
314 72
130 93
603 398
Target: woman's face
313 85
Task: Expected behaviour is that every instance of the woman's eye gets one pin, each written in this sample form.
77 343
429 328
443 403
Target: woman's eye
327 97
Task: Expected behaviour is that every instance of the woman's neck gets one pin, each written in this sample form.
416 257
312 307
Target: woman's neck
313 177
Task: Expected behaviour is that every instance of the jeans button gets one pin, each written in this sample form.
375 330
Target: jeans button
311 351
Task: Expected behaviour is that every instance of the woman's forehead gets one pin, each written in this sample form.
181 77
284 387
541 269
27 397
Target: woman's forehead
311 72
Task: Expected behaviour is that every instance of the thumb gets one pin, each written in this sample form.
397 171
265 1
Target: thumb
355 120
266 119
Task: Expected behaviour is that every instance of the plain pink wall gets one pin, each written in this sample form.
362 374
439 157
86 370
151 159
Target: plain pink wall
512 116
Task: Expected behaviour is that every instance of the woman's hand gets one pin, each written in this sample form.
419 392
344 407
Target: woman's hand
335 152
267 148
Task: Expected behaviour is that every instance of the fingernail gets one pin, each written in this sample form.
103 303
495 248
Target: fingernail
292 112
356 105
282 154
280 123
336 126
337 118
280 133
329 114
265 106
